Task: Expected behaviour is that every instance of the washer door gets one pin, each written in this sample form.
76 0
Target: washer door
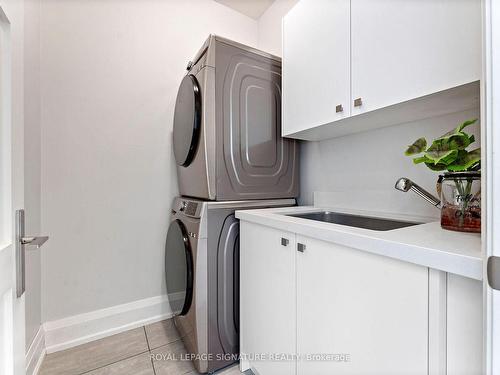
179 268
228 276
187 120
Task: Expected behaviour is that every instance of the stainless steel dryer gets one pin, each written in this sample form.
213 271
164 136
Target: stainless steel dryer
227 126
202 274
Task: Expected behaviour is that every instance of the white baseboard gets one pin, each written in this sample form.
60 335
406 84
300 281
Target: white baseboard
36 353
80 329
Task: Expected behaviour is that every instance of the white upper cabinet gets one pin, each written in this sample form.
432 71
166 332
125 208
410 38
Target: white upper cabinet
316 78
402 50
367 55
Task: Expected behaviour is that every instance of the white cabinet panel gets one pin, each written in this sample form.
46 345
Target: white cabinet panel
316 71
267 295
373 308
464 326
403 50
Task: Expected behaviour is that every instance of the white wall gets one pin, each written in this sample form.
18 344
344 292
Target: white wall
270 26
370 161
32 153
109 77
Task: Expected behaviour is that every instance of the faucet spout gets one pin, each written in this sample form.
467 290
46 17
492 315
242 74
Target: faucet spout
405 184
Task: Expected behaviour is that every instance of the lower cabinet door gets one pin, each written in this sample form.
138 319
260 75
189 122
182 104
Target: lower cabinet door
267 295
359 313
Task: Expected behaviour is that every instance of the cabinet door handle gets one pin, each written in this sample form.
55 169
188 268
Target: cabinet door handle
358 102
301 247
494 272
284 241
339 108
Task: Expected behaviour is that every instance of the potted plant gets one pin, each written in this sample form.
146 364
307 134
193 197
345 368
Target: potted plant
460 186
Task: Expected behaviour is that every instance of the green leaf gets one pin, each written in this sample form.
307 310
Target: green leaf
442 156
466 161
451 141
436 167
448 151
417 147
456 139
464 125
422 159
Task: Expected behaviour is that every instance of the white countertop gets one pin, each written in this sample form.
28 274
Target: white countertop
426 244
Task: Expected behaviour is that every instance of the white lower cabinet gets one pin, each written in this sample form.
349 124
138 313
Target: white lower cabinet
267 295
310 307
464 317
370 308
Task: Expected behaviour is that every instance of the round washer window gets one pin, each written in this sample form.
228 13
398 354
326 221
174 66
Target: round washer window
179 268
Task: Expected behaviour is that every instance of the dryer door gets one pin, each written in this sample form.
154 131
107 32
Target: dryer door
179 268
187 121
228 260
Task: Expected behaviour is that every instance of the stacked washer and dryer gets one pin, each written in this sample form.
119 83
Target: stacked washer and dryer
230 156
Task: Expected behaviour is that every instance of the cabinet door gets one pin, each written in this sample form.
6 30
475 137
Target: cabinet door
373 309
464 326
402 50
267 295
316 71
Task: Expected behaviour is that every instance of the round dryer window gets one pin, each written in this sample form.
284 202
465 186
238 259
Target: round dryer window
179 268
187 120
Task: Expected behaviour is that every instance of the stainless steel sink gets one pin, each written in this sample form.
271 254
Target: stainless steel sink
366 222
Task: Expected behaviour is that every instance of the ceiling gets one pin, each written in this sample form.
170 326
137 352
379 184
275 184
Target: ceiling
251 8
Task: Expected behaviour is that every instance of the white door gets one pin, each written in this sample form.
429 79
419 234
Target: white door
316 71
403 50
491 234
368 312
267 295
11 197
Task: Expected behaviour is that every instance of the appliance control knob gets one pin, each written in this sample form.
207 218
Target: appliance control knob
189 65
183 206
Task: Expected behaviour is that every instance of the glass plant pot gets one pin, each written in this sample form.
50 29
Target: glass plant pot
461 201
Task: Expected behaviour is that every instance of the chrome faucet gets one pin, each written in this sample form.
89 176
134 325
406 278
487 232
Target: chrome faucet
405 184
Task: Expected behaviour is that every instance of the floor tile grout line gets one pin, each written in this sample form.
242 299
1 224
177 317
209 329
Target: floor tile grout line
168 343
152 362
149 350
147 340
150 353
123 359
113 363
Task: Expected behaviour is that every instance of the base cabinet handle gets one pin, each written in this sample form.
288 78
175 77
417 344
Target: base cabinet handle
284 241
494 272
301 247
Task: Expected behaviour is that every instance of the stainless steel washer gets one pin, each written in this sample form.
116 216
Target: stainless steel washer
227 126
202 274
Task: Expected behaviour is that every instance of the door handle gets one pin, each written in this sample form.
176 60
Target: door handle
21 242
34 241
494 272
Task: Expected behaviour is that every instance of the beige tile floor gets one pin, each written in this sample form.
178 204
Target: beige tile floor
127 353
